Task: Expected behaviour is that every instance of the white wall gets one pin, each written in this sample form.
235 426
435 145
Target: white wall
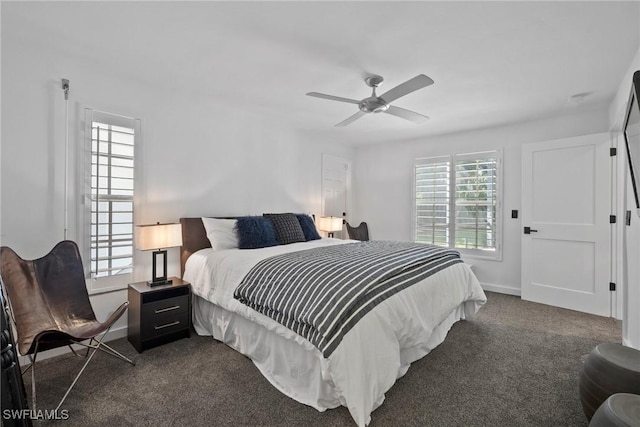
198 157
628 237
384 182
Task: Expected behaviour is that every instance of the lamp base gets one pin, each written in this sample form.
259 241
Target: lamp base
151 283
157 279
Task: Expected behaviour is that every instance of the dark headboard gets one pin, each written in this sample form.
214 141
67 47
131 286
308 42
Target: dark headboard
194 238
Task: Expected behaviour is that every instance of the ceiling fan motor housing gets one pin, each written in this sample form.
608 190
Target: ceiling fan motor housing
373 104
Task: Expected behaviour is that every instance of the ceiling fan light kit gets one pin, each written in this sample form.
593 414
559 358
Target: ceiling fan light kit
382 103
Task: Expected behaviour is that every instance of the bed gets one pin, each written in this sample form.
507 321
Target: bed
369 357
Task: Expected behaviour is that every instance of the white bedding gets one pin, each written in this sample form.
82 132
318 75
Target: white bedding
376 352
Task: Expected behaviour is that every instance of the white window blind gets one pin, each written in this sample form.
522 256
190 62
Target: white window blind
112 185
475 203
433 201
109 162
457 202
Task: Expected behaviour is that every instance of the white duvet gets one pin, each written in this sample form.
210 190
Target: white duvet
372 355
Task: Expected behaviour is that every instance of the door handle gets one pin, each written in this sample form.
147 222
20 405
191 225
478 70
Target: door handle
529 230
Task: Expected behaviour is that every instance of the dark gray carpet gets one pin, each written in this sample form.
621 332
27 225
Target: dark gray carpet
515 364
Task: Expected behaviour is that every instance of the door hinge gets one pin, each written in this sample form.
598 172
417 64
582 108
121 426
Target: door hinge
613 151
612 286
612 219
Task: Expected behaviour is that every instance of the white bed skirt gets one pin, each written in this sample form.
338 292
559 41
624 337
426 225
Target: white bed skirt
300 372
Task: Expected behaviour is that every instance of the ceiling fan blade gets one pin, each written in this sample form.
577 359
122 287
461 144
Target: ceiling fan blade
418 82
333 98
406 114
351 119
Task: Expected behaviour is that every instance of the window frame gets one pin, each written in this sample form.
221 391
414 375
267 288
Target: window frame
495 255
115 282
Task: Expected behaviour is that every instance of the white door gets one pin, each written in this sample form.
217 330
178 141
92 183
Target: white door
566 257
335 184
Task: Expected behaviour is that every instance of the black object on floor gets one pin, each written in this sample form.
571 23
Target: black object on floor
610 368
619 410
14 397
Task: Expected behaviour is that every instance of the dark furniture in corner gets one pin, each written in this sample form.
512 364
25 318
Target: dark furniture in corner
14 396
360 232
159 314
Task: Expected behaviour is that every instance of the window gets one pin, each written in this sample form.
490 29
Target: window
109 208
457 202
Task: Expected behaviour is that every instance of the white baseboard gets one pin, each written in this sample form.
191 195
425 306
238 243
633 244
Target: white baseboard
501 289
114 334
627 343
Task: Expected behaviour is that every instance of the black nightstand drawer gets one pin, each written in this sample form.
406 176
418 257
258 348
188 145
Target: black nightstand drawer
175 306
164 323
160 314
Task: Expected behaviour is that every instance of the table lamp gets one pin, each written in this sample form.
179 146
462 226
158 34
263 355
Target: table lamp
158 237
330 224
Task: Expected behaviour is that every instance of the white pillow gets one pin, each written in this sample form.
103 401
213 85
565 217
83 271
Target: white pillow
221 233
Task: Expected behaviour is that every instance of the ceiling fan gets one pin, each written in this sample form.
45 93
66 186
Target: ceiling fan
381 104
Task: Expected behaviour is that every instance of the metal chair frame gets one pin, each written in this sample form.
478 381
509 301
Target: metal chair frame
99 346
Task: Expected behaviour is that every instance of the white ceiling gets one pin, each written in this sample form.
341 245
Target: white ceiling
493 63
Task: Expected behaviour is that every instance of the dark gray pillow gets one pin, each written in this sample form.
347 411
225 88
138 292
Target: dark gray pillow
287 227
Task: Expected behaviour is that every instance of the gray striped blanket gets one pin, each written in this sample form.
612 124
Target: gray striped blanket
321 293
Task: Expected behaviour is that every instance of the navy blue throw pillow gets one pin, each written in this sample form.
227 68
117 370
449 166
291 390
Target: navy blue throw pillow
255 232
308 227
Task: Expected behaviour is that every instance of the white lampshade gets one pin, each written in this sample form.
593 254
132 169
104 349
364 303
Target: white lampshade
159 236
330 223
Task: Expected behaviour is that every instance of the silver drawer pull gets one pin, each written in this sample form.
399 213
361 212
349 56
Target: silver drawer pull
177 322
162 310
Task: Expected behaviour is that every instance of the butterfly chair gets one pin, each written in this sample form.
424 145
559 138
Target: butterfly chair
360 232
50 307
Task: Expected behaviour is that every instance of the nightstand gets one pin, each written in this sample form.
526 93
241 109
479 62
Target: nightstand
159 314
